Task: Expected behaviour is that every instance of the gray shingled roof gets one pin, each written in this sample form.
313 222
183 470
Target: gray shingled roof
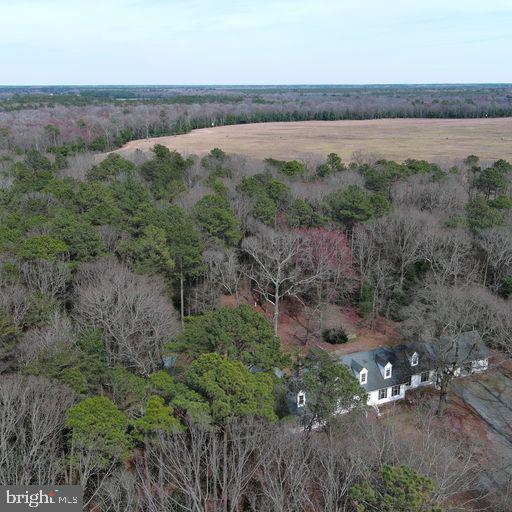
398 356
470 347
466 347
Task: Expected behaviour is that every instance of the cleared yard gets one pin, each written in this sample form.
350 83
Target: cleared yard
439 140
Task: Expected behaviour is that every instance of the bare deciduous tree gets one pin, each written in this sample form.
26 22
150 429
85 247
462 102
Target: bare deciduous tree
444 313
449 256
55 337
131 310
326 254
438 453
31 430
400 236
374 270
333 471
79 164
47 277
205 470
439 310
123 491
224 270
111 236
286 473
274 269
242 208
15 300
420 192
496 246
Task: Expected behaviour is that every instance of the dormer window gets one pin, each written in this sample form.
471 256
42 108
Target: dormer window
301 399
363 376
383 359
415 359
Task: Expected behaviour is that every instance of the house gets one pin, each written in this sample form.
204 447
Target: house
386 373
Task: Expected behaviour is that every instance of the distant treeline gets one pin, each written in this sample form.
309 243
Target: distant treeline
182 126
101 118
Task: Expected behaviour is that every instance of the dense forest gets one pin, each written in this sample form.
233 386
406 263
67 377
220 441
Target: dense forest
102 118
122 371
143 302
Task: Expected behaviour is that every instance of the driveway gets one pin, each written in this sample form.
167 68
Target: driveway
490 396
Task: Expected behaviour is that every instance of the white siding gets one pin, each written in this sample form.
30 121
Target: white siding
416 380
480 365
373 396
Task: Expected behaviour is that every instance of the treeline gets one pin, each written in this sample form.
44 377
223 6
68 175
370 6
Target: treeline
103 119
122 372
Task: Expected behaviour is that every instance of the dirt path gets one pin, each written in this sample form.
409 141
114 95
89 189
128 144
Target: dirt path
439 140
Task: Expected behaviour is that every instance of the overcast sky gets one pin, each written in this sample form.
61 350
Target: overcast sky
254 41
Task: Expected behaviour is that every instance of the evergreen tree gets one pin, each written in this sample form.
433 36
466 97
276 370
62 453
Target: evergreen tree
230 389
239 333
396 489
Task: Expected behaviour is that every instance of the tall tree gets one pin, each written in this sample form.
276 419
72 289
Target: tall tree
214 216
185 247
329 388
274 266
31 431
443 314
326 254
98 438
131 311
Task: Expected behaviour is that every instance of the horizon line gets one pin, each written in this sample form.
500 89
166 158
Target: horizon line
368 84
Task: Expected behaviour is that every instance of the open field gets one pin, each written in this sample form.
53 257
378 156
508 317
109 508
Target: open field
438 140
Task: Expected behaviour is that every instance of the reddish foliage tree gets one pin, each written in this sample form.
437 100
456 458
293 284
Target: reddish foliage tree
326 253
327 248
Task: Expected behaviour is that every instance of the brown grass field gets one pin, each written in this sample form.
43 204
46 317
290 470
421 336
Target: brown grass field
437 140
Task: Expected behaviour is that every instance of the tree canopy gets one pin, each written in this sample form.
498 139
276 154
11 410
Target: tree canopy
230 389
98 426
396 489
329 388
239 333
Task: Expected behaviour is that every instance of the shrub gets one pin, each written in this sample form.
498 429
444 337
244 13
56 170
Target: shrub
506 287
335 336
292 168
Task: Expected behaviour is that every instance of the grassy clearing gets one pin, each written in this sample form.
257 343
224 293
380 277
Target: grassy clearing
439 140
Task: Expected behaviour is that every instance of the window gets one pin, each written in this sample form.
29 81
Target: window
383 393
301 400
425 376
409 381
414 359
395 390
387 371
362 377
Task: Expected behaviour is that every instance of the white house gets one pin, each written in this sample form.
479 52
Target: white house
386 373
